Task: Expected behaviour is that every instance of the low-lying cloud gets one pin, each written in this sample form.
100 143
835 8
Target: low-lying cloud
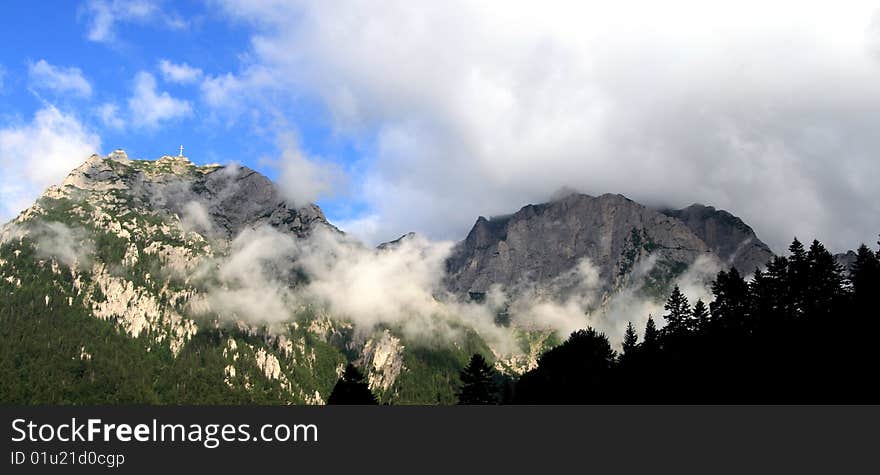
70 246
268 276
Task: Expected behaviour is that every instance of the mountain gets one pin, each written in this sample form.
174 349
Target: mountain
164 282
110 285
538 243
117 250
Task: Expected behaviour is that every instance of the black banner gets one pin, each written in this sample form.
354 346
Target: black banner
620 439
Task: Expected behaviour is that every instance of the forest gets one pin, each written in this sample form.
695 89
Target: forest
800 331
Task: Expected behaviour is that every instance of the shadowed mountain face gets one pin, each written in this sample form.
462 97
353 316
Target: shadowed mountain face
540 242
732 240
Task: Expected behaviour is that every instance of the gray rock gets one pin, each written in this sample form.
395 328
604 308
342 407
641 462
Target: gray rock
732 240
390 245
241 197
234 198
538 243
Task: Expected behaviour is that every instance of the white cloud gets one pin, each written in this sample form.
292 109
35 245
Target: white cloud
231 92
40 153
402 287
104 15
478 107
53 239
368 287
109 114
149 107
303 179
180 73
59 79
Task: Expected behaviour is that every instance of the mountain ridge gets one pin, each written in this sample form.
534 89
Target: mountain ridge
140 247
541 241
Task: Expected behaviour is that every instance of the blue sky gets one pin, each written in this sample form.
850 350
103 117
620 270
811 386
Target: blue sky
183 34
403 115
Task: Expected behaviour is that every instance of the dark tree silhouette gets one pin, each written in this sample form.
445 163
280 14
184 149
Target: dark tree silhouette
783 337
652 335
865 274
678 313
798 277
630 340
352 389
730 304
700 316
576 371
479 382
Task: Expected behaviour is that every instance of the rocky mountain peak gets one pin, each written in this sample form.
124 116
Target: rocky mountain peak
118 155
540 242
387 246
219 201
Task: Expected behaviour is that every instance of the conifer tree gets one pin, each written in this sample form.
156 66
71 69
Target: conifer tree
798 276
731 296
825 285
865 276
652 335
678 313
478 382
630 340
700 316
352 389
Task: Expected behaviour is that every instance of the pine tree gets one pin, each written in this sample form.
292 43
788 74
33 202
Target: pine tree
700 316
776 291
865 275
652 335
798 276
678 313
731 299
352 389
825 285
630 340
478 382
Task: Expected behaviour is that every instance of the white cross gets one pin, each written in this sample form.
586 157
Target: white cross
181 151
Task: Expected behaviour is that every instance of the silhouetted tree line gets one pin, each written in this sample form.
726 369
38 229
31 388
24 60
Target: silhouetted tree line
803 330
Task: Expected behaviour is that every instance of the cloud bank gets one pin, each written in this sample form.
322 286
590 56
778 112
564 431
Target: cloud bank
401 287
40 153
478 107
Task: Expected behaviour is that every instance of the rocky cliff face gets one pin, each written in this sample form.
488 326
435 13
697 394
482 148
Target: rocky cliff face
540 242
729 238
